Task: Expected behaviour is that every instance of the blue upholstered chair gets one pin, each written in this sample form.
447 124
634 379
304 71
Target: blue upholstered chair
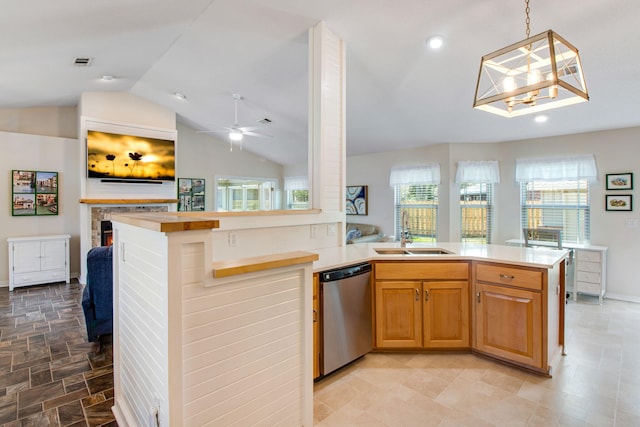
97 297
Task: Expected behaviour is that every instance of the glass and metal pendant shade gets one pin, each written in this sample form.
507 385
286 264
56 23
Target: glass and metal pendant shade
536 74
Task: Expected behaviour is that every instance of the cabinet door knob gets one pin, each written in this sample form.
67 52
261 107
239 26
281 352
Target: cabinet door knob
417 294
426 294
478 296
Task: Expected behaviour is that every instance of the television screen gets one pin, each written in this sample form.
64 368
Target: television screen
112 156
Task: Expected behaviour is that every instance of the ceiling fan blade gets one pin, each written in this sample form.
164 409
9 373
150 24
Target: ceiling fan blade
212 131
257 135
250 128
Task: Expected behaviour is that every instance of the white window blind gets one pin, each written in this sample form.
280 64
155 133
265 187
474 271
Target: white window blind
296 183
476 179
476 212
557 204
555 193
416 192
420 201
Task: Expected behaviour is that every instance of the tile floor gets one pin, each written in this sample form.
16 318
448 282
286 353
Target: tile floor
597 383
51 376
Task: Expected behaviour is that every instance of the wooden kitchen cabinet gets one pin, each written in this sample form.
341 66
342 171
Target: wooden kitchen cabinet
510 314
398 314
316 326
445 312
432 312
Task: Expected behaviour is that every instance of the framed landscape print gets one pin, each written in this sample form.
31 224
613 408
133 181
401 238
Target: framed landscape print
34 193
620 181
190 194
356 200
619 202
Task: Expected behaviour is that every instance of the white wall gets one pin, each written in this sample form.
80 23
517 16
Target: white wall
40 153
202 156
615 151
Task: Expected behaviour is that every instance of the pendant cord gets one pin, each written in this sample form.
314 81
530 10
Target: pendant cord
528 20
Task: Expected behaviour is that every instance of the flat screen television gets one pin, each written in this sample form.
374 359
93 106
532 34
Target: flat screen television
119 157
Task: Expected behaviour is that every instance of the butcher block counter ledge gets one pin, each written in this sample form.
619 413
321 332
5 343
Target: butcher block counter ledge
260 263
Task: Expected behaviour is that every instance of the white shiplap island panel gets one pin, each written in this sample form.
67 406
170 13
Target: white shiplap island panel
198 350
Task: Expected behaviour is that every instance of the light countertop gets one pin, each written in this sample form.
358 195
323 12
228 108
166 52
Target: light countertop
341 256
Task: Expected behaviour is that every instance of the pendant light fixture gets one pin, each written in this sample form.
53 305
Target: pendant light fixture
536 74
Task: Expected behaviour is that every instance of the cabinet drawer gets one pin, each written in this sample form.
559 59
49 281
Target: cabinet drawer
421 270
589 288
585 276
506 275
39 277
593 267
591 256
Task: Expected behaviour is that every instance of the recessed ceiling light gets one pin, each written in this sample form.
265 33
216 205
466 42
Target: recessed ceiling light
107 77
435 42
180 95
541 118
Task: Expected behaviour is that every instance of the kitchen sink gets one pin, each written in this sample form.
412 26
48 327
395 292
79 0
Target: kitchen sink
412 251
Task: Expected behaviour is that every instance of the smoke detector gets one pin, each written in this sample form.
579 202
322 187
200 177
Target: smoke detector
265 121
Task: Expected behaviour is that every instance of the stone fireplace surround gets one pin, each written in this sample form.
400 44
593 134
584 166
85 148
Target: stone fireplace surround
103 213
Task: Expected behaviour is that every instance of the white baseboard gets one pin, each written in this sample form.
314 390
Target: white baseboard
620 297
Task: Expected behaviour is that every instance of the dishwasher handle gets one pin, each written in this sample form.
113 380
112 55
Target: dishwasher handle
346 272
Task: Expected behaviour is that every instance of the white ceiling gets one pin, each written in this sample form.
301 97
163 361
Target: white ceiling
400 94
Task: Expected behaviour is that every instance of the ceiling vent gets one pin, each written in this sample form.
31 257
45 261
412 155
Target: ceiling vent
264 121
82 62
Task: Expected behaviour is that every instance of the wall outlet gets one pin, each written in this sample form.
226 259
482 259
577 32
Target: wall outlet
331 230
233 239
314 231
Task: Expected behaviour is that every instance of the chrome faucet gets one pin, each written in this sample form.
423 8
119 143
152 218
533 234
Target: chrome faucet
405 236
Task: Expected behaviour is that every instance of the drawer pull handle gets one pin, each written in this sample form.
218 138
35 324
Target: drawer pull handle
506 276
315 315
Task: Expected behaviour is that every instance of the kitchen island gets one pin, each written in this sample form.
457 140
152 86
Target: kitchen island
503 302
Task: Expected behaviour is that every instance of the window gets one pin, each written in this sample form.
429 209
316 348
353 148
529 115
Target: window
554 193
557 204
421 203
416 192
297 192
476 179
237 194
476 212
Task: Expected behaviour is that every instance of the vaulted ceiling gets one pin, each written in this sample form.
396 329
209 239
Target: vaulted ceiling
400 94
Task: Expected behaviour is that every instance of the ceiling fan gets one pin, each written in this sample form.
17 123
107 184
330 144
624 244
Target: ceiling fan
235 131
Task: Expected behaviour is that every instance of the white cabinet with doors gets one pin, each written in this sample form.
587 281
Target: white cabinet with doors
38 259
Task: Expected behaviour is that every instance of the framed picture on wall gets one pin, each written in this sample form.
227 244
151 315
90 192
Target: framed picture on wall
357 200
620 181
619 202
190 194
34 193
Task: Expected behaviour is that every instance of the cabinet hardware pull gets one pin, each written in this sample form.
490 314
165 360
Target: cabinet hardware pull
506 276
315 315
478 296
426 294
417 294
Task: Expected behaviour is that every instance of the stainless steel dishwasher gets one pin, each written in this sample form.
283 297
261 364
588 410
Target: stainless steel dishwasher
346 315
